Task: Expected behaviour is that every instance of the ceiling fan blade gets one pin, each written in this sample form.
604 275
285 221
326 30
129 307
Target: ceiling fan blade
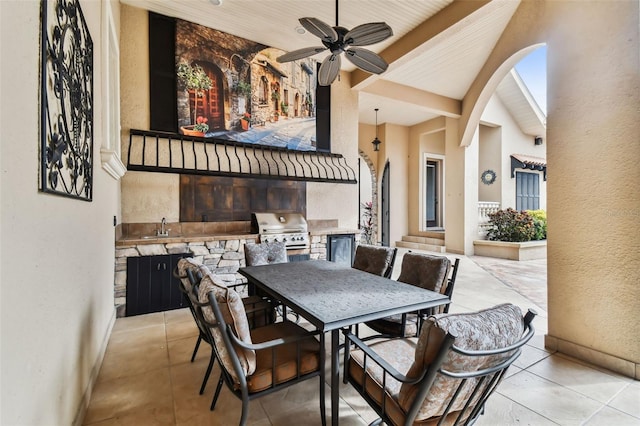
366 34
300 53
319 29
329 70
366 60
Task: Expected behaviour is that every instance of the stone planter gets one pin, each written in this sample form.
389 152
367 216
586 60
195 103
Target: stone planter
530 250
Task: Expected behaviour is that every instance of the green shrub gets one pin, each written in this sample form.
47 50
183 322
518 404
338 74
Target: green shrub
540 223
511 225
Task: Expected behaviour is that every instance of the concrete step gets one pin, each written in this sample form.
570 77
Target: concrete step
424 240
421 246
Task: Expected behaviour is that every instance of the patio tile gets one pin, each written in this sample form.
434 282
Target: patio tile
181 329
500 410
138 321
148 395
530 356
628 400
548 399
580 378
610 416
180 350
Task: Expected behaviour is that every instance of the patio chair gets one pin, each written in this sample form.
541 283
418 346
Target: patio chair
266 254
190 272
447 374
376 260
260 361
433 273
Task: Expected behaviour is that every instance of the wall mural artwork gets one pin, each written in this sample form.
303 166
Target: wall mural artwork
66 107
230 88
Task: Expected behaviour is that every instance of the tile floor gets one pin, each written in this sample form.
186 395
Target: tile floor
147 379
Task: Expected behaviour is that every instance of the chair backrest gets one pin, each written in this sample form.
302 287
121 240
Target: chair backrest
226 308
465 357
377 260
451 282
188 270
265 253
425 271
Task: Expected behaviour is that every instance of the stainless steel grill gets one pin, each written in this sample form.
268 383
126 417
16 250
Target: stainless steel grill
289 228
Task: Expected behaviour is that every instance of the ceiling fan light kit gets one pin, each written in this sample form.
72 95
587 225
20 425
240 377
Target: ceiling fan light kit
338 40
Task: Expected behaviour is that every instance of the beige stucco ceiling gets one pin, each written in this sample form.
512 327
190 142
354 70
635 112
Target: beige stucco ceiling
436 51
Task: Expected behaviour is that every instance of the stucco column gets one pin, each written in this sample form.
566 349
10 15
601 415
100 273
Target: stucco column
461 177
593 200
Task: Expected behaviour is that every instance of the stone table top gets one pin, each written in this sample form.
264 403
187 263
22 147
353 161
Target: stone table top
332 296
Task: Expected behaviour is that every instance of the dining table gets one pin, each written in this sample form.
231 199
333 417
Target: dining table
334 296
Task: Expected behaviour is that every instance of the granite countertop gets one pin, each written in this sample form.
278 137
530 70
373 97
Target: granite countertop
333 231
136 240
152 239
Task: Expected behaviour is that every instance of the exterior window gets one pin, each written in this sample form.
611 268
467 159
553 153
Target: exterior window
263 91
527 191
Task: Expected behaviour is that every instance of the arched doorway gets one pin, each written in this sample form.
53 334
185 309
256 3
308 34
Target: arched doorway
367 193
211 104
386 206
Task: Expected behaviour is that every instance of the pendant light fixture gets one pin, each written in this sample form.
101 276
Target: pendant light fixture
376 142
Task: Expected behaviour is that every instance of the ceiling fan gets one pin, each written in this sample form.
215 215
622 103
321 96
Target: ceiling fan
338 40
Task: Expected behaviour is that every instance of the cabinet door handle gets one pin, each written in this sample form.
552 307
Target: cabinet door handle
164 266
158 267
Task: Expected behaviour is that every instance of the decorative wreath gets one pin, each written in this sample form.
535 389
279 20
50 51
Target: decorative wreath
488 177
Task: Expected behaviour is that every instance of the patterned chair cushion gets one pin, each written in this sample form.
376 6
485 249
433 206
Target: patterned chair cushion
397 352
425 271
373 259
265 253
234 314
392 325
189 264
493 328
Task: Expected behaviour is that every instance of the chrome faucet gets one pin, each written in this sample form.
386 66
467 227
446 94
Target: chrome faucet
163 231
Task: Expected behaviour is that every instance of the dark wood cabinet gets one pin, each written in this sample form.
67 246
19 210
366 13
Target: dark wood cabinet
151 286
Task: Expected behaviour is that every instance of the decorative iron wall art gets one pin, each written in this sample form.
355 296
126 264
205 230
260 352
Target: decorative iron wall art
66 108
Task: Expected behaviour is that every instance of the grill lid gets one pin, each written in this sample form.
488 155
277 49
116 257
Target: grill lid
269 223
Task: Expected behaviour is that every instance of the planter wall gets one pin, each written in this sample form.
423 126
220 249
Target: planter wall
530 250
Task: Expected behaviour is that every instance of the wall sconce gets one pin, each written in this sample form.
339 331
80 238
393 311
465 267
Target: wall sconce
376 142
537 140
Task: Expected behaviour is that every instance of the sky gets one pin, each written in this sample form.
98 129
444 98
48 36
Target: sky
533 70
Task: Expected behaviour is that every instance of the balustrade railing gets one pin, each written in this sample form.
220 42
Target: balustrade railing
485 208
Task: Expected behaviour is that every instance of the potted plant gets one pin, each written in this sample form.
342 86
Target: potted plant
199 129
245 121
196 79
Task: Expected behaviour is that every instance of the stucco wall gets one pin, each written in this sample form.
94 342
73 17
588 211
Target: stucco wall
490 158
511 141
394 149
593 150
330 200
424 140
57 300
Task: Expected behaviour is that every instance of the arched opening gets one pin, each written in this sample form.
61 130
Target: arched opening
368 196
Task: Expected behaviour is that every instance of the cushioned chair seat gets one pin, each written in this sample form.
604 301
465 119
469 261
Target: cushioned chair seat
400 354
286 368
392 325
489 329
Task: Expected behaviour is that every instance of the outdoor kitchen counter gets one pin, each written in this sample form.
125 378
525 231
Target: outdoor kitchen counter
332 231
137 240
